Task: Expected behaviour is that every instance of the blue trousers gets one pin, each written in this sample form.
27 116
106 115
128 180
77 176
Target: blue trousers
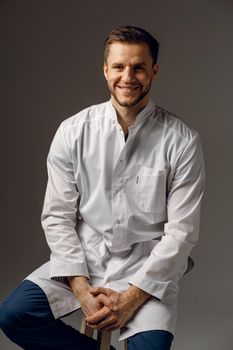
27 320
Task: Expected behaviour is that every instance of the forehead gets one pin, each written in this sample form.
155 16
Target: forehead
129 53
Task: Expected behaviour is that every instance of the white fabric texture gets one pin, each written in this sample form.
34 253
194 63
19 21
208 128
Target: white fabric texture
121 212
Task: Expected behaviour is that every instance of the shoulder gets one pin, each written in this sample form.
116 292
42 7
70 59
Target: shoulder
174 126
70 130
87 115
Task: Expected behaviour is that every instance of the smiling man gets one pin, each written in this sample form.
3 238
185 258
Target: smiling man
129 70
121 214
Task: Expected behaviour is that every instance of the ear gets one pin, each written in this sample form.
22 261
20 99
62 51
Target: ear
155 69
105 69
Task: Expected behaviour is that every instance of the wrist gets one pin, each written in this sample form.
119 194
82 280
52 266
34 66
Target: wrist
138 295
79 284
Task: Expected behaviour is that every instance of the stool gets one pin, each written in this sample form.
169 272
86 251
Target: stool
103 337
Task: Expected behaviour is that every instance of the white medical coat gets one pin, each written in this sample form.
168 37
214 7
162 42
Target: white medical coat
121 212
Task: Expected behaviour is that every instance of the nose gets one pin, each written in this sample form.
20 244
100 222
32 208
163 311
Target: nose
128 75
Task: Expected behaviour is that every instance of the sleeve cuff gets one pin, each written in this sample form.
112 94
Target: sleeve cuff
155 288
59 271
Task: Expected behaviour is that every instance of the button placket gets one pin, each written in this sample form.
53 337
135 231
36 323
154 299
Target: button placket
118 204
118 199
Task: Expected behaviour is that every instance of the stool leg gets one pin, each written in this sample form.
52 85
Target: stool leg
104 339
125 344
85 329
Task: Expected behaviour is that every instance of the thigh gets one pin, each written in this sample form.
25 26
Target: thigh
151 340
27 320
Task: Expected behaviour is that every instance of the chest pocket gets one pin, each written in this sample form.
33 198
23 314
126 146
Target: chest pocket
151 190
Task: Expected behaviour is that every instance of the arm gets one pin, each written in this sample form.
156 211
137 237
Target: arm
60 211
168 260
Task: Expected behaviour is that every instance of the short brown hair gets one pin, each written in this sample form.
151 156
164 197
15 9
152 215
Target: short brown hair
131 34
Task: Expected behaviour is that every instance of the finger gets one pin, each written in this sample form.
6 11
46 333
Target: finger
111 327
100 290
108 322
107 302
99 315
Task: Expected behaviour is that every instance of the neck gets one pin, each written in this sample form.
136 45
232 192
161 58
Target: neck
127 115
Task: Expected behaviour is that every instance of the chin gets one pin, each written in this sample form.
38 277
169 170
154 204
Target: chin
127 102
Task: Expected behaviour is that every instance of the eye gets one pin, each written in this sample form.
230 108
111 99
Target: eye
118 67
138 68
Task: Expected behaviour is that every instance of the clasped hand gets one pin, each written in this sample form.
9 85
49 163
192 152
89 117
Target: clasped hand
105 308
117 309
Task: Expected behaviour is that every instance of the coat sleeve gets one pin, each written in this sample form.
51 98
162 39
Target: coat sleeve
168 259
60 211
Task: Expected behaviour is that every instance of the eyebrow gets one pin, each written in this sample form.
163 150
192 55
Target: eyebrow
142 64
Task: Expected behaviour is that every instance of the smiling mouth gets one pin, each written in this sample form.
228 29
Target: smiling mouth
128 89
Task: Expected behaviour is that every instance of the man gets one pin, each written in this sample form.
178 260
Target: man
121 214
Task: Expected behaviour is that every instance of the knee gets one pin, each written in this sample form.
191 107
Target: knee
12 311
8 318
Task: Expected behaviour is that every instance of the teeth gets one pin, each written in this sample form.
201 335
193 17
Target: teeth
128 87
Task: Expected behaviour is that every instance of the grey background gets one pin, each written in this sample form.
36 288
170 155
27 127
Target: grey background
51 67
